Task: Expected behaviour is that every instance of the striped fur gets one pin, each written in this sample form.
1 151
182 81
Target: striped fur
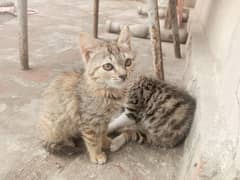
162 114
82 104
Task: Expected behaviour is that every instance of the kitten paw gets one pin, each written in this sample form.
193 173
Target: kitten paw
100 158
117 143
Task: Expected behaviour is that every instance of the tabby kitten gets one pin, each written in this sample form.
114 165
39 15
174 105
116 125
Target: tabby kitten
82 104
156 113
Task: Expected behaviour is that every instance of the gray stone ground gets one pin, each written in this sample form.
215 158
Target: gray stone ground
53 45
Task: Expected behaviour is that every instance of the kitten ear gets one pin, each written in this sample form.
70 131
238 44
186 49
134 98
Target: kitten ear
87 46
124 39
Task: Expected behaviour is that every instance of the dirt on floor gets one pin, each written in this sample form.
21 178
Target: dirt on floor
53 48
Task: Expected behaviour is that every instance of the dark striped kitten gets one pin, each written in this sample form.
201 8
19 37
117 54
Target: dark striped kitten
156 113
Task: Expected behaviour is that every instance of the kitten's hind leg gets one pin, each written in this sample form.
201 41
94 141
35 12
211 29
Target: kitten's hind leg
120 122
118 142
106 142
125 137
61 147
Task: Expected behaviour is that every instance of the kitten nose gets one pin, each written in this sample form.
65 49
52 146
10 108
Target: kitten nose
123 77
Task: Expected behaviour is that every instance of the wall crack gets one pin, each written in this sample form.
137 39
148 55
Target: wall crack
237 94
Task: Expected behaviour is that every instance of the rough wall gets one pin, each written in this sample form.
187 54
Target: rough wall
212 74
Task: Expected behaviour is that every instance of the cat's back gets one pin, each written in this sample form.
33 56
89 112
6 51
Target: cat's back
65 82
62 93
60 108
165 111
152 91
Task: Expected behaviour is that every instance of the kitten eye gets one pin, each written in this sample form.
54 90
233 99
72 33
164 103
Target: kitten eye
107 66
128 62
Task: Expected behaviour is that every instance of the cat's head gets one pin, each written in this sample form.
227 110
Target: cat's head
108 64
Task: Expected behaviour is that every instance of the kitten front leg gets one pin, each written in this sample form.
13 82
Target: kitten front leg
126 136
120 122
94 144
118 142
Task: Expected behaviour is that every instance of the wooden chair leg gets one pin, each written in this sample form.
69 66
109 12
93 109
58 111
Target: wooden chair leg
154 28
23 33
95 20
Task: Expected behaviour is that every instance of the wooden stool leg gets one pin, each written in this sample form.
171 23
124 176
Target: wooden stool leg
95 20
154 28
175 33
23 33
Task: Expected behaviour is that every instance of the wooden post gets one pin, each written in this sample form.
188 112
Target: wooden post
95 20
175 33
23 33
167 21
180 12
154 28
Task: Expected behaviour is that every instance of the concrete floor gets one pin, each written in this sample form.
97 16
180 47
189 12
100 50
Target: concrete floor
53 45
